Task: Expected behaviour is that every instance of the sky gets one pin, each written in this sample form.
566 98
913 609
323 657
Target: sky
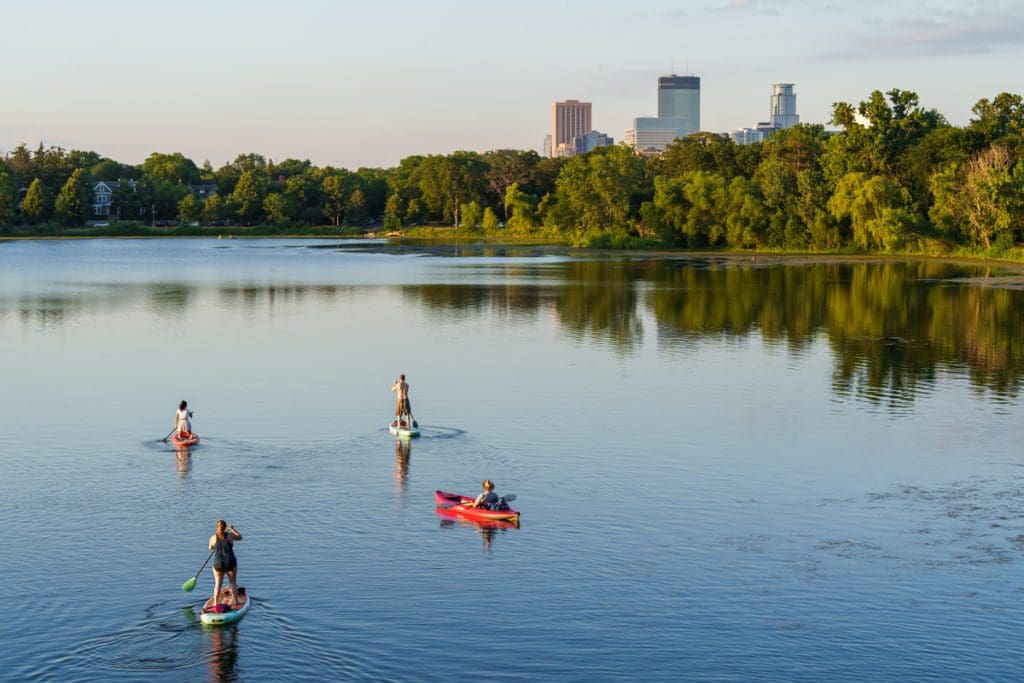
355 84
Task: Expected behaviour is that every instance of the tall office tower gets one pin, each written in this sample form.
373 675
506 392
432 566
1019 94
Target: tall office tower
569 120
679 98
783 114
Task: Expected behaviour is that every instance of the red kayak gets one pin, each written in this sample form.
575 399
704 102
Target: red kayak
463 506
452 516
189 440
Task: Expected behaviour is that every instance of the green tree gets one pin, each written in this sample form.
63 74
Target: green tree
509 167
490 221
336 193
876 208
171 168
8 197
36 204
472 214
190 209
214 209
448 182
393 212
709 152
355 212
601 190
522 207
982 199
277 208
73 204
247 198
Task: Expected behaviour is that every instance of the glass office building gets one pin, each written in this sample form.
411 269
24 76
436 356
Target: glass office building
679 98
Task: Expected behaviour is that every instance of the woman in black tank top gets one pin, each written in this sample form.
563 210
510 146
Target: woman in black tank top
224 562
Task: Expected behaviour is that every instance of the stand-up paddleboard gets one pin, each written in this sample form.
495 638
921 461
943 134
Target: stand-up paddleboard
403 429
222 613
190 440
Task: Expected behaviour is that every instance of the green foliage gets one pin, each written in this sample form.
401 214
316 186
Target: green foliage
73 204
355 214
247 198
8 197
190 209
35 207
277 209
597 191
448 182
472 214
490 221
876 208
170 168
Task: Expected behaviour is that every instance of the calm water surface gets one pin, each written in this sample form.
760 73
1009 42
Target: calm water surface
727 469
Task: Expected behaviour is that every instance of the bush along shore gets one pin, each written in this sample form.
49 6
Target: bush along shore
893 177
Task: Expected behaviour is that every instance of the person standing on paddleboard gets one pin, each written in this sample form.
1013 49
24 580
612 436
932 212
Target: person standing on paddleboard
403 408
224 561
182 420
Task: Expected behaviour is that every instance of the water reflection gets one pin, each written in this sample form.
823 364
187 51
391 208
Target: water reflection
403 449
892 327
222 657
183 460
487 529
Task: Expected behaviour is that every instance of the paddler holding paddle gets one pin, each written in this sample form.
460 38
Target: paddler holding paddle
403 408
224 561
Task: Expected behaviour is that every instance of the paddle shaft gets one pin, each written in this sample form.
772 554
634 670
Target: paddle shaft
169 434
204 564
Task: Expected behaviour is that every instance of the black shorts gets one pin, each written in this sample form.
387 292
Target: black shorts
230 568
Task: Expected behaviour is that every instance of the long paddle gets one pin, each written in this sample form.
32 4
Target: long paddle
169 434
191 583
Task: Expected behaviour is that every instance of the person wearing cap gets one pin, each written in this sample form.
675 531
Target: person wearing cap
488 499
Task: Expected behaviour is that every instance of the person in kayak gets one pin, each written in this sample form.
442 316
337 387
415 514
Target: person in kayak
403 408
224 561
487 500
183 420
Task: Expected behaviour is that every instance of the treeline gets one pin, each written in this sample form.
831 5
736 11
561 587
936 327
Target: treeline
897 176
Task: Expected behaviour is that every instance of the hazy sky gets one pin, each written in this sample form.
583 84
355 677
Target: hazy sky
366 83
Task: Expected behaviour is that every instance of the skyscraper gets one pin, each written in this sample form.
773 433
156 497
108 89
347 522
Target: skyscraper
678 115
679 98
783 112
569 120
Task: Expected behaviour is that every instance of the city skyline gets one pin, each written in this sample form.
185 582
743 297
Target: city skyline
366 86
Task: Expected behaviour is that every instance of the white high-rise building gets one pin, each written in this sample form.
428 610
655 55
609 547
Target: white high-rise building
783 112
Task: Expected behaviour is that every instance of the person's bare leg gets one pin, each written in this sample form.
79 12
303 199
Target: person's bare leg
218 581
233 580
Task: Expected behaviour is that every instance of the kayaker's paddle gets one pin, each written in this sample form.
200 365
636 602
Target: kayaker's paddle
168 435
191 583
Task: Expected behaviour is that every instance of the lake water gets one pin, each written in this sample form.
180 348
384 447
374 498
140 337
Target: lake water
728 469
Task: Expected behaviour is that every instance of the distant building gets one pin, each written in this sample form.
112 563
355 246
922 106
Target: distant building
654 133
569 120
679 98
103 197
783 107
781 115
203 191
678 115
591 141
747 136
547 146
